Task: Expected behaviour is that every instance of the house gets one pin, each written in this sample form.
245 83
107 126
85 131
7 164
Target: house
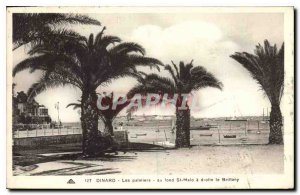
29 112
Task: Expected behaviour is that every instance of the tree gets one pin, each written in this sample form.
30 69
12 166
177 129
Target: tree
34 27
266 66
85 64
184 79
14 105
108 114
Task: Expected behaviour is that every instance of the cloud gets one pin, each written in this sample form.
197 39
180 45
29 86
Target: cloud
205 42
210 47
177 42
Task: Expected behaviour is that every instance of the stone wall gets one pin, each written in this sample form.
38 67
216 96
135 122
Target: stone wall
121 137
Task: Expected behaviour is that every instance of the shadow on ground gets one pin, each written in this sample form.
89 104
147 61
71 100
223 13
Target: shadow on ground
27 157
79 169
26 160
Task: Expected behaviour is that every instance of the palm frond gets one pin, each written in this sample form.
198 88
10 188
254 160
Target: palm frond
105 41
46 82
251 63
37 62
99 35
59 63
72 19
90 42
171 71
137 60
266 66
127 47
37 26
201 78
60 41
74 105
154 83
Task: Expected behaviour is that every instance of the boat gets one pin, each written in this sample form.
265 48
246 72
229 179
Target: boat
206 135
206 127
236 120
140 134
229 136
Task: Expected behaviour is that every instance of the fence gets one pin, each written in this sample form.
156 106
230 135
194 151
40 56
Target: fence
43 130
30 126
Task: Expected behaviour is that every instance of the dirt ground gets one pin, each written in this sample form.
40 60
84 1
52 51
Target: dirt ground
238 159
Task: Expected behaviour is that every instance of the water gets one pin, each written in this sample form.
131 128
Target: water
244 132
155 131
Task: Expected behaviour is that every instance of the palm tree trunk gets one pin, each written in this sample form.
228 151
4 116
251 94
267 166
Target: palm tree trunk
89 122
275 136
182 128
108 129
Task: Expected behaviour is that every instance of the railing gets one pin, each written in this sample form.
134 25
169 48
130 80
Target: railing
30 126
37 130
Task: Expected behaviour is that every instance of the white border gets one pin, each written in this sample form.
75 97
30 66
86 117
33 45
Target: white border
56 2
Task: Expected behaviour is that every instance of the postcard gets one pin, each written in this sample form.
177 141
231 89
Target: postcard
150 98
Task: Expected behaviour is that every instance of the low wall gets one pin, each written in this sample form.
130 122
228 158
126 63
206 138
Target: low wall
120 137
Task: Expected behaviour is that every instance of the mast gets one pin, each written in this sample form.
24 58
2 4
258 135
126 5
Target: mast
57 108
58 120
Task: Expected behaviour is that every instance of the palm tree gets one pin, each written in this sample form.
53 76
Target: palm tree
34 27
108 114
185 78
85 64
266 66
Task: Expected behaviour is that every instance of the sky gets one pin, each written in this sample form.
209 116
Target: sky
207 38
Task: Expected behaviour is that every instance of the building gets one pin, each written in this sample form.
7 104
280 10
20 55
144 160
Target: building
29 112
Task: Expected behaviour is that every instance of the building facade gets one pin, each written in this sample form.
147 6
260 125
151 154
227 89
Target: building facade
29 112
